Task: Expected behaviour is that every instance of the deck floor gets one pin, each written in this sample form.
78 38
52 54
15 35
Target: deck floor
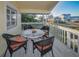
21 52
59 49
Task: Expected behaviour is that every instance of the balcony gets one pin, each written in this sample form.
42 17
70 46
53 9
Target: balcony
66 34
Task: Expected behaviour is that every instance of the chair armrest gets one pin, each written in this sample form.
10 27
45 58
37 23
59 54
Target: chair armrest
17 41
36 42
47 41
17 35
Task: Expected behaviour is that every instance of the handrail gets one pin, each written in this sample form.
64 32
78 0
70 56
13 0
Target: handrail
32 23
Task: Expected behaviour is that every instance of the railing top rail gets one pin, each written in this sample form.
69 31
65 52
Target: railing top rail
68 29
32 23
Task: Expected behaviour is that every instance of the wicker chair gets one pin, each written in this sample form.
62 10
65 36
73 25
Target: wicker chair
28 27
44 46
46 30
14 45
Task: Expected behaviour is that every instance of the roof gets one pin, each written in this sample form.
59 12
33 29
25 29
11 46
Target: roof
35 6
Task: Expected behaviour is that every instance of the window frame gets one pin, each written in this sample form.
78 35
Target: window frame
10 15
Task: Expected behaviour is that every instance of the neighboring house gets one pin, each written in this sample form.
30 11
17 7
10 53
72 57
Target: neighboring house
65 17
57 19
68 17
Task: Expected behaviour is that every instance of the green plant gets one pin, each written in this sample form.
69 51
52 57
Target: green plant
28 18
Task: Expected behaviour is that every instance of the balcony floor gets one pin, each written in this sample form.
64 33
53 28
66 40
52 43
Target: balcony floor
59 49
21 52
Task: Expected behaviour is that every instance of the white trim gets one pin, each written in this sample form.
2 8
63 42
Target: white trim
68 29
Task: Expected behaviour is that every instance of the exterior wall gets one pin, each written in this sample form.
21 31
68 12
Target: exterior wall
2 22
3 27
18 26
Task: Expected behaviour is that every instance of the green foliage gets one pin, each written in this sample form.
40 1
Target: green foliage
28 18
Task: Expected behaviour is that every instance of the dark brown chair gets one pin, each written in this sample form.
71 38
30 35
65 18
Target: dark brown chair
28 27
46 30
46 35
14 45
44 46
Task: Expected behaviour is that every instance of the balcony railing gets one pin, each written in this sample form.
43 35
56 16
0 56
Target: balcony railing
37 25
66 35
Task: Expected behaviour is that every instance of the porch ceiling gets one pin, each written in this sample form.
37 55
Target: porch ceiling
35 6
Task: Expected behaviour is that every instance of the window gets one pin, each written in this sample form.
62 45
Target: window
11 18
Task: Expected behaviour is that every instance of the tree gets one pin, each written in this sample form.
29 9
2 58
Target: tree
28 17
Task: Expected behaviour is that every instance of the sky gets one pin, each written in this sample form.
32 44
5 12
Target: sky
66 7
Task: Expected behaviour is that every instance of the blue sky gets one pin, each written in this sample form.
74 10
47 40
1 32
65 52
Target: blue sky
66 7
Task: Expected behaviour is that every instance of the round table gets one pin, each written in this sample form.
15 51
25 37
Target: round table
33 36
29 33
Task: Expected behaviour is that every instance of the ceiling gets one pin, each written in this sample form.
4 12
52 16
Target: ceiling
35 6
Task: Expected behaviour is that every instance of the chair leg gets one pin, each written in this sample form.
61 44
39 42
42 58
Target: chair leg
5 53
52 52
33 49
11 53
41 54
25 49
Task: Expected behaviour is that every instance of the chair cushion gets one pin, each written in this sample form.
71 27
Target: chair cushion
18 39
46 47
16 45
40 47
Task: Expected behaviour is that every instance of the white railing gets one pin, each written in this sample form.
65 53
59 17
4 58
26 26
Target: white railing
64 35
34 24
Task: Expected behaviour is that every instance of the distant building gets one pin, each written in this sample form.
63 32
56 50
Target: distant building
50 19
65 17
68 17
57 19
